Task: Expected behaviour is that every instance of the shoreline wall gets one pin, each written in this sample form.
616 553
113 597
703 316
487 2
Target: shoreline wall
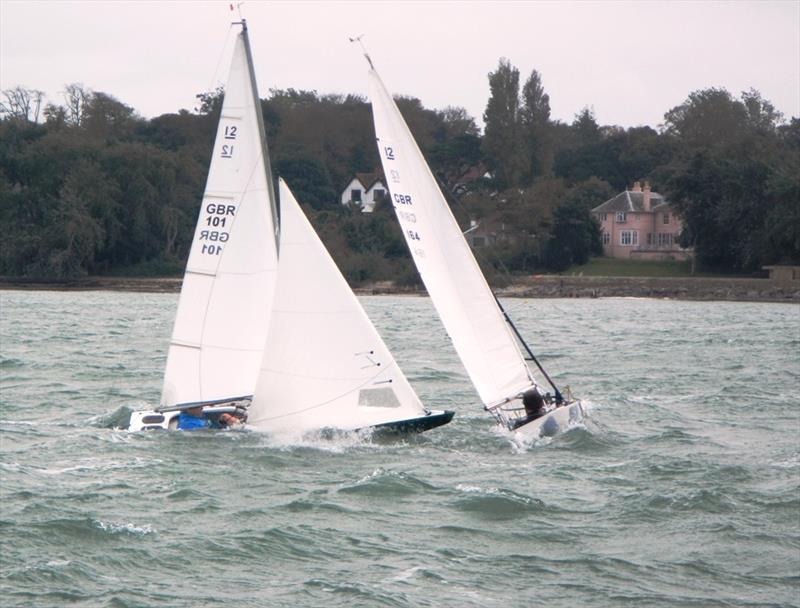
678 288
544 286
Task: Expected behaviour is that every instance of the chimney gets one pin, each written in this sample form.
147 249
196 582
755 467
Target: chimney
646 196
636 187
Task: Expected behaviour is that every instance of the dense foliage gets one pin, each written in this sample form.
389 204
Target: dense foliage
735 178
90 187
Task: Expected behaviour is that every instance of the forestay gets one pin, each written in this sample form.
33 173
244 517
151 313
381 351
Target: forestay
451 275
325 364
223 311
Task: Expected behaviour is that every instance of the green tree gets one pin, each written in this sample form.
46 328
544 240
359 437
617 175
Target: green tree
210 102
105 117
502 140
586 152
707 118
731 180
535 125
308 179
779 242
457 147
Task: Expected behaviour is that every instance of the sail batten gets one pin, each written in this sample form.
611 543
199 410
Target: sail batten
184 344
454 281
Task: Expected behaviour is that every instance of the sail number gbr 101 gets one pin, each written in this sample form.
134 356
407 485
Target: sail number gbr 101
212 231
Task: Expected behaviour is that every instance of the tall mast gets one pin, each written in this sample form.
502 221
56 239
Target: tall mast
261 131
363 49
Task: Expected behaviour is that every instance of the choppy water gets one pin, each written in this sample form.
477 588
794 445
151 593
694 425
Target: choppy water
682 488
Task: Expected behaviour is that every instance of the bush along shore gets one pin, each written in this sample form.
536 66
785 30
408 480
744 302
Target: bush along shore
539 286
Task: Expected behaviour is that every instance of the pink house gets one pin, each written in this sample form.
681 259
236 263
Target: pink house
640 224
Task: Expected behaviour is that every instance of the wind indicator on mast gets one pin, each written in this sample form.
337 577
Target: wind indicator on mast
363 48
242 20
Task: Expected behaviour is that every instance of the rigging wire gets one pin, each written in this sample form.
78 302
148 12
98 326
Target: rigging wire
222 53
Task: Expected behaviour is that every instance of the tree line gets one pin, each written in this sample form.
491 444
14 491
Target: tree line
88 187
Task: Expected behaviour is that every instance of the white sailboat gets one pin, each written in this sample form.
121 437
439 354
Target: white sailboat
267 329
226 297
482 334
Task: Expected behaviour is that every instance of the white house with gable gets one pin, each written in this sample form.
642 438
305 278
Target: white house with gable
365 190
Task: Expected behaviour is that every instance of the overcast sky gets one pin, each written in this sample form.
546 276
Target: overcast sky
630 61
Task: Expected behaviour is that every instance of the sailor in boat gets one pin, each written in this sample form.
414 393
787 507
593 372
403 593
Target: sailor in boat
535 407
194 418
534 404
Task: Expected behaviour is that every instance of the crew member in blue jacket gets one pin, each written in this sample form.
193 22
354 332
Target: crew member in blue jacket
193 418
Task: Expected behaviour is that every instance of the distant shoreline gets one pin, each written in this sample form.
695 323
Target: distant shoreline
543 286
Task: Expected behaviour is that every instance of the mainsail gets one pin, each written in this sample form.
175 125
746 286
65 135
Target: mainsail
223 311
325 364
455 283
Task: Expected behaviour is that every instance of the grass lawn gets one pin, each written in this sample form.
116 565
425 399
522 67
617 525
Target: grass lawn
612 267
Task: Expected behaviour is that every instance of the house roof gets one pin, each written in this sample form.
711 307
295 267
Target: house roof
368 179
630 201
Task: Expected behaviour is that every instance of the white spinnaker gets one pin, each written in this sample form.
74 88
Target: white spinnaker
223 311
324 364
454 281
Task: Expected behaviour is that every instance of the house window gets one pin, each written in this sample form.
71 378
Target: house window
606 238
355 195
620 217
377 195
665 238
666 218
629 237
604 216
649 238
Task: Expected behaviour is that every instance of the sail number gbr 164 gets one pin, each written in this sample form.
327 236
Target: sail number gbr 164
212 231
405 199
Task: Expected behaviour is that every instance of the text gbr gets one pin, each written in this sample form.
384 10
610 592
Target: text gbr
217 213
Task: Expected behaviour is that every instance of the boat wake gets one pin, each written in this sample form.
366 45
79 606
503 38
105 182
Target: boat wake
323 440
117 419
575 433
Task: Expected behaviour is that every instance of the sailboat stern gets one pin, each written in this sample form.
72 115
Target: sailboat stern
554 422
558 418
149 420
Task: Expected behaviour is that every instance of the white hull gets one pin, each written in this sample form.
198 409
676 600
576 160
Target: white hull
146 420
554 422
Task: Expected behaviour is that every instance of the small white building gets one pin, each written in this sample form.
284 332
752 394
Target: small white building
365 190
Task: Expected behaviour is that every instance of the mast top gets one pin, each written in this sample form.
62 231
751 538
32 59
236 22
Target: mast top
363 49
242 21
